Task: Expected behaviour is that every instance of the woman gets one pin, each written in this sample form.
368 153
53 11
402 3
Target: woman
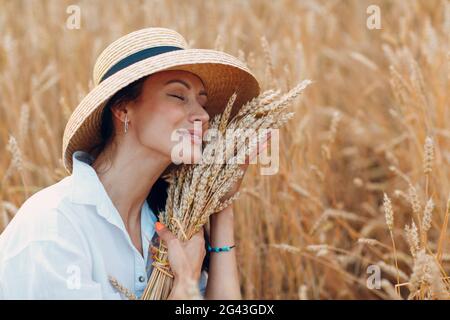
88 235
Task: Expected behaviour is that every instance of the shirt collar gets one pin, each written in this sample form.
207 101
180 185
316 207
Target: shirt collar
88 189
85 187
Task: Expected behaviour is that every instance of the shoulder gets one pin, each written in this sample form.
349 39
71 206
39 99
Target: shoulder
50 197
40 218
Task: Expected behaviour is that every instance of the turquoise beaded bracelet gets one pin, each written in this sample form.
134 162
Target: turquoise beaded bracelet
220 249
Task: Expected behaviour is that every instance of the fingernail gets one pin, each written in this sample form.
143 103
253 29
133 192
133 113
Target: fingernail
158 225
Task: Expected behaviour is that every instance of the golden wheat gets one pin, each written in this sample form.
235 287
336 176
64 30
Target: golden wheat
390 88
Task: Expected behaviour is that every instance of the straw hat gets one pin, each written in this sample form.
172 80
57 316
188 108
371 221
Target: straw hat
144 52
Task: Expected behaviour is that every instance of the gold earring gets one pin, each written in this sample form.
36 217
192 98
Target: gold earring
126 123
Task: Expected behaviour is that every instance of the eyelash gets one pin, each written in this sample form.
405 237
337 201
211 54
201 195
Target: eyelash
182 98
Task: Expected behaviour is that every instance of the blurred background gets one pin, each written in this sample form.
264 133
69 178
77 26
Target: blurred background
359 208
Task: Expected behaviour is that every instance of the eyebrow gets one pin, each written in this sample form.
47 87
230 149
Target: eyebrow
203 92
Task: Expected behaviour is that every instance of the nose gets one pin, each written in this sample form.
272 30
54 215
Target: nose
199 114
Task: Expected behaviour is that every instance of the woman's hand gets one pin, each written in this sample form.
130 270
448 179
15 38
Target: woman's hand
244 167
185 259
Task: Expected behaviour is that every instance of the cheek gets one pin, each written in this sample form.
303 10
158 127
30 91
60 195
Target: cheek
155 125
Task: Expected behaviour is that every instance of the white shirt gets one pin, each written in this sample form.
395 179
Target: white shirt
66 239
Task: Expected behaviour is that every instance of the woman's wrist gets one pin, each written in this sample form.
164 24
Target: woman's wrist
226 216
184 288
222 228
178 292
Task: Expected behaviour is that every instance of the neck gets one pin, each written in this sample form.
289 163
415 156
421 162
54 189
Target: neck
129 177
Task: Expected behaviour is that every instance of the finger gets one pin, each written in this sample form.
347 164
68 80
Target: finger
164 233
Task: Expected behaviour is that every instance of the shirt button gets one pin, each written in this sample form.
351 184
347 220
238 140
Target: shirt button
141 279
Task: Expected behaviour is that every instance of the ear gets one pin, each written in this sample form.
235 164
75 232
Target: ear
119 112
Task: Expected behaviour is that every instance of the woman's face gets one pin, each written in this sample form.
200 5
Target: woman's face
170 101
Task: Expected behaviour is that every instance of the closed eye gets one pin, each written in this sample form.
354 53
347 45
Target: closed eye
182 98
179 97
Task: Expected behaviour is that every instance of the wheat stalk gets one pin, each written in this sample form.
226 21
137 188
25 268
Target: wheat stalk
389 213
196 190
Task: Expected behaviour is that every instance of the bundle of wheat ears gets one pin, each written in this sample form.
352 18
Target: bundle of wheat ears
196 190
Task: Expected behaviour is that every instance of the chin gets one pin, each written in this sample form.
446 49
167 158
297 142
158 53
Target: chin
190 154
193 156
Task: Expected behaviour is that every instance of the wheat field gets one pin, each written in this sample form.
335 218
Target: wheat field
360 206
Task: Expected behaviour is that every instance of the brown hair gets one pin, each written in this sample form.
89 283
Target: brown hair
157 197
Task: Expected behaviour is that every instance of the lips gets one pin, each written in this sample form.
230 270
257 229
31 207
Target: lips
196 137
194 133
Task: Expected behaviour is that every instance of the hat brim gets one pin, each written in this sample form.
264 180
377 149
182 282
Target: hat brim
221 73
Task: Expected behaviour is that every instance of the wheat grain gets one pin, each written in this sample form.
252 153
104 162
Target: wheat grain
286 247
268 60
126 292
429 155
415 202
425 281
17 158
389 213
426 221
412 236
